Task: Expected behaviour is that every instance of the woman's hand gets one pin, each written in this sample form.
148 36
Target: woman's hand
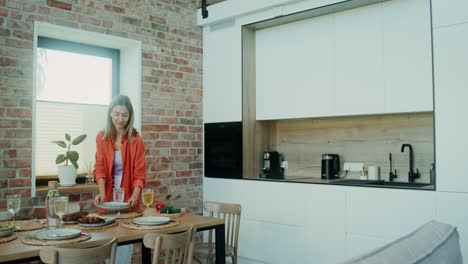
133 200
99 199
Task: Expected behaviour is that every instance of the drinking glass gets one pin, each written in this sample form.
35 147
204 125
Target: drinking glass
60 206
118 195
147 197
14 204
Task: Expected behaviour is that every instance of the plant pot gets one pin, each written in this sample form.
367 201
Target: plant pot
67 175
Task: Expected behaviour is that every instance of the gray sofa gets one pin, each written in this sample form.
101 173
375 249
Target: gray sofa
432 243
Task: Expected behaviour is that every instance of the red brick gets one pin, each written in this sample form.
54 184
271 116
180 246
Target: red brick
153 183
114 9
197 180
20 183
29 7
196 165
2 3
44 10
24 172
181 144
160 167
185 69
183 173
179 181
3 12
74 197
183 159
59 4
179 75
161 144
18 112
8 62
9 153
18 24
7 173
4 123
23 34
4 32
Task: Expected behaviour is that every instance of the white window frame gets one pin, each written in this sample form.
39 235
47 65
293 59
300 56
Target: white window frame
130 70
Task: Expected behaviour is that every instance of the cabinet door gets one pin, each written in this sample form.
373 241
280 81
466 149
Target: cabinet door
449 12
359 79
294 69
222 78
451 94
407 56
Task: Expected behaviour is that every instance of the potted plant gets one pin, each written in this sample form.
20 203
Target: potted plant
67 173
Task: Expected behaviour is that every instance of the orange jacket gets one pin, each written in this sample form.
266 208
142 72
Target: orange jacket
133 160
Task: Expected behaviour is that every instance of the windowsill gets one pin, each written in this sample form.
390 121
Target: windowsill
78 188
43 180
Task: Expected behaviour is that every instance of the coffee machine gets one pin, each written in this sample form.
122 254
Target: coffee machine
272 165
330 166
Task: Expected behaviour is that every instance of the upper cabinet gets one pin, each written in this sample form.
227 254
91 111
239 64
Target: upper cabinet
358 61
294 72
374 59
407 56
451 93
222 77
449 12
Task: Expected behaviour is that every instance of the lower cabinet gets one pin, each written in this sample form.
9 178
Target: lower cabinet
314 223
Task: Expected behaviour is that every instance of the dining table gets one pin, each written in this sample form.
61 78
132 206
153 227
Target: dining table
16 251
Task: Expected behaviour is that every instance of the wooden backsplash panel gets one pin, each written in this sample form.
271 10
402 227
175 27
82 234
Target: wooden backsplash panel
367 139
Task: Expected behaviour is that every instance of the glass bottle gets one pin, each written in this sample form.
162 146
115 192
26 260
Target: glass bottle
51 217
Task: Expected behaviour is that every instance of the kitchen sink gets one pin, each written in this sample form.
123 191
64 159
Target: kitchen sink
354 182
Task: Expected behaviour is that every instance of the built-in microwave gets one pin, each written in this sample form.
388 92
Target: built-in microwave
223 150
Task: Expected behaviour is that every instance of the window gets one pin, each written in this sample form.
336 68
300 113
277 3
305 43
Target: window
74 86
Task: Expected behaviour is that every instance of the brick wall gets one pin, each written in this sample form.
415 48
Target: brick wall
171 86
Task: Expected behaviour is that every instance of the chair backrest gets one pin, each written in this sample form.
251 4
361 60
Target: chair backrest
231 214
172 248
71 254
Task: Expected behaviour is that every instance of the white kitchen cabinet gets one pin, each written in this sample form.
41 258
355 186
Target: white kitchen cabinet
358 61
222 73
407 58
451 94
388 213
449 12
452 208
294 70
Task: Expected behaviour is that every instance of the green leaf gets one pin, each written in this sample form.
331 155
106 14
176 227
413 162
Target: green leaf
79 139
60 158
73 156
60 143
67 137
74 163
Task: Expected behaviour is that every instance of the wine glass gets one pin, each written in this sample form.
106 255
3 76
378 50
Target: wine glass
89 176
118 195
14 204
147 197
60 206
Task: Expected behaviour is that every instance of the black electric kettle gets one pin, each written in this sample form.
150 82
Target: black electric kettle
330 166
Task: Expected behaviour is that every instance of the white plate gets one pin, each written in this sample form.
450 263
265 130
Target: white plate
151 220
67 184
70 222
114 206
107 220
58 234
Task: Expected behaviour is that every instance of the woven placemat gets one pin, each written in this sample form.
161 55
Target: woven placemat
29 240
132 225
29 225
172 216
122 215
8 238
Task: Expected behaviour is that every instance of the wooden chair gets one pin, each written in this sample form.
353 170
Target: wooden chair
231 214
71 254
171 248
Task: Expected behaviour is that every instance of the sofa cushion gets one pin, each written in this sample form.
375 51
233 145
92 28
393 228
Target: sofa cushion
432 243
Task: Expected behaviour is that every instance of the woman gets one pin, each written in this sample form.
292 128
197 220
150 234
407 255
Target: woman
120 155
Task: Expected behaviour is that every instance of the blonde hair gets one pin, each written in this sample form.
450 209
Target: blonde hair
130 132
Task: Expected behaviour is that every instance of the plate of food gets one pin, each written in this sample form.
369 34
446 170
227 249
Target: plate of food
169 211
151 220
114 206
57 234
6 229
73 217
95 220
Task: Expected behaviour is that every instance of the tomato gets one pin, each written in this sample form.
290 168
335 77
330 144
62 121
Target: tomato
160 206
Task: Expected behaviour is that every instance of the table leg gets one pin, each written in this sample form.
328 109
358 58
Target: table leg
220 244
145 254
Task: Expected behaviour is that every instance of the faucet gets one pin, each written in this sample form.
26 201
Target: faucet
411 175
391 175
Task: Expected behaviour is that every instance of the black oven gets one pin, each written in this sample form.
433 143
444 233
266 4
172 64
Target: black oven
223 150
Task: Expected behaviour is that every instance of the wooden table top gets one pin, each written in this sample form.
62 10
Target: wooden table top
16 250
